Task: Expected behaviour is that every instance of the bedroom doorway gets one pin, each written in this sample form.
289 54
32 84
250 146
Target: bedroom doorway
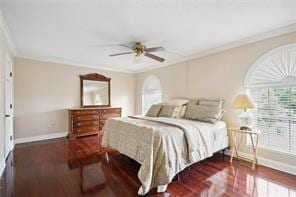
8 106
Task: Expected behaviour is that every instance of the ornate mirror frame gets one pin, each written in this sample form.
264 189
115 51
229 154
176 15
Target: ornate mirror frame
94 77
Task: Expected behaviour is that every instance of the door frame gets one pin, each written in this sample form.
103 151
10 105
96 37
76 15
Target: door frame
8 134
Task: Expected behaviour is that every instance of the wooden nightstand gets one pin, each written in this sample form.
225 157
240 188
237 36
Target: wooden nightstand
254 134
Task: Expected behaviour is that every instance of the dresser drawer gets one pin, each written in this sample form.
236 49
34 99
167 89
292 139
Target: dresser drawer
85 129
111 115
85 117
86 123
110 111
85 112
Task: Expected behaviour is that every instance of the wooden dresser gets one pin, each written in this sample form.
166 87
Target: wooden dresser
89 121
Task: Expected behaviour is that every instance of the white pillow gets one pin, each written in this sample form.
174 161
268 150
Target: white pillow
176 102
192 101
213 103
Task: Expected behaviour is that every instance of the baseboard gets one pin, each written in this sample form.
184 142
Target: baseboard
2 166
40 137
268 162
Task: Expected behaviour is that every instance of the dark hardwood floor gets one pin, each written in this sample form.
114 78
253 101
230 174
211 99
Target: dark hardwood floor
80 167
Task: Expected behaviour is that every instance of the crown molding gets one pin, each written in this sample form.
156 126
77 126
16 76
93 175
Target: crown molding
72 63
276 32
7 33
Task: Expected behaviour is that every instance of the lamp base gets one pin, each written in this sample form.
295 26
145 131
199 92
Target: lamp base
246 120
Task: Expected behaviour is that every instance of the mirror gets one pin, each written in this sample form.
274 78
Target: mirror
95 90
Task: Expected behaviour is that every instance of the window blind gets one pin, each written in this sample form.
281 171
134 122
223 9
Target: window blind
275 116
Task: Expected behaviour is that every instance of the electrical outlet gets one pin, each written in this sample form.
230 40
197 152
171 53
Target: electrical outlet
52 124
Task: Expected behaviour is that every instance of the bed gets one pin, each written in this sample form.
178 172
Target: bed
163 146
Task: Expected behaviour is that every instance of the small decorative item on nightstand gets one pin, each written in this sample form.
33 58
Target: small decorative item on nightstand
243 101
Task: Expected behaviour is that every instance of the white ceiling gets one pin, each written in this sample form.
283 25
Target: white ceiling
85 32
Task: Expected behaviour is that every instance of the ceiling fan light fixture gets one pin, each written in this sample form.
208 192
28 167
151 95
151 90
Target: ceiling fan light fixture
139 49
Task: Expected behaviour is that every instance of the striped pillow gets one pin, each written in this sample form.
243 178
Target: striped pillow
169 111
154 110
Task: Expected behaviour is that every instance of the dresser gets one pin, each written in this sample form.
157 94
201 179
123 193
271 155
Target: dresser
89 121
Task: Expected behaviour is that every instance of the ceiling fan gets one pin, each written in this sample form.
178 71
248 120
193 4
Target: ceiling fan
139 49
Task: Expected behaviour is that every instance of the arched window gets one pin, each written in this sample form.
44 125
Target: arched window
271 82
151 92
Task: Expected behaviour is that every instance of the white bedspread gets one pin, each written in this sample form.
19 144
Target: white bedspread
163 146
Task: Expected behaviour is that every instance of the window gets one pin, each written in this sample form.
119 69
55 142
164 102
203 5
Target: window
276 117
271 82
151 92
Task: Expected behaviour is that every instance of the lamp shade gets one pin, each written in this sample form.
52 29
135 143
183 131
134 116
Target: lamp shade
243 101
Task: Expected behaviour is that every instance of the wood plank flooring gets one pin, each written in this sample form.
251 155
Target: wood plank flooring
60 167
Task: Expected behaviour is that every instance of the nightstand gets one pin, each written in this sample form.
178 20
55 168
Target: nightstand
254 135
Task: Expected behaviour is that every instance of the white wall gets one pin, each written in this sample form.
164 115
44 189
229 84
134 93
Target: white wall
43 92
219 75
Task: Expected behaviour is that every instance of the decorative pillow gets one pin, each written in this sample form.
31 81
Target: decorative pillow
177 111
177 102
203 113
169 111
154 110
182 112
214 103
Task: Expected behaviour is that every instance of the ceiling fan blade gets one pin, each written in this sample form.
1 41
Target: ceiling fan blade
124 53
154 49
102 45
160 59
126 45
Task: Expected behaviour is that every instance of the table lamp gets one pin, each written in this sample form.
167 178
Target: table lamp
245 102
